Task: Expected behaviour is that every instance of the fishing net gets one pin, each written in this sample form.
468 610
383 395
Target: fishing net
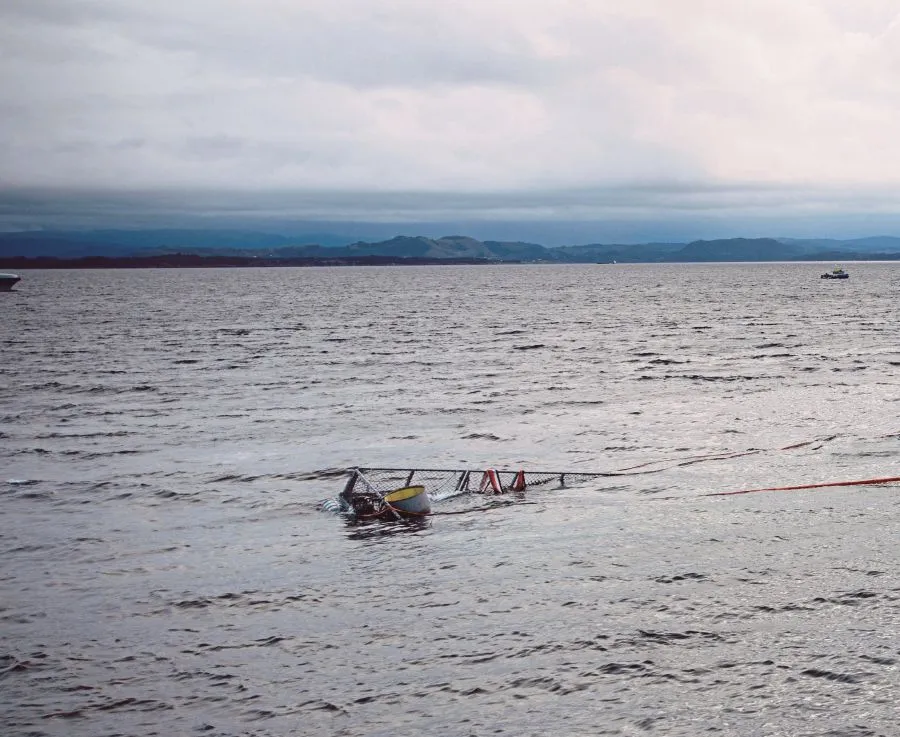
443 484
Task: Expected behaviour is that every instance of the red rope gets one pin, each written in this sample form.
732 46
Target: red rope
864 482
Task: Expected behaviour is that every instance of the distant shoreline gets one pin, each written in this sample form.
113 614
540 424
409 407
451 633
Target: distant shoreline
189 261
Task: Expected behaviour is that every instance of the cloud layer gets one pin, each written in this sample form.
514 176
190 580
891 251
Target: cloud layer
561 108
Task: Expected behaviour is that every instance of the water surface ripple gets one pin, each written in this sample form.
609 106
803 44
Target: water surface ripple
167 569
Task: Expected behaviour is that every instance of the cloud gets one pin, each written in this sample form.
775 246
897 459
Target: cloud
529 107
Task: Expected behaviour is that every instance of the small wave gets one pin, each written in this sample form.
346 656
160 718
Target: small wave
849 599
680 577
9 664
672 638
830 675
31 451
62 435
704 377
94 455
325 473
127 704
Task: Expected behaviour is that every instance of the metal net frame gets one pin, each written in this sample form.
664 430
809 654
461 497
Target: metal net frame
443 484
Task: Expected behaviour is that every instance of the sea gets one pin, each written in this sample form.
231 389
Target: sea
168 436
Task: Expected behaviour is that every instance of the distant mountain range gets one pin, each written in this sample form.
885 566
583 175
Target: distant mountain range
261 246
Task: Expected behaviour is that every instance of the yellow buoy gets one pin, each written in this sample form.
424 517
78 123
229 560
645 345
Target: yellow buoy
409 499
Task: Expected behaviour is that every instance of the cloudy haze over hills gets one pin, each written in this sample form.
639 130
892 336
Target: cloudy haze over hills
551 121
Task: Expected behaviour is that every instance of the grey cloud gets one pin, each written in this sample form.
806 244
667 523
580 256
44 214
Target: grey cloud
375 49
413 111
553 218
356 53
62 12
579 203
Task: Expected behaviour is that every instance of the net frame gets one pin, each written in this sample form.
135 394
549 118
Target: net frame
443 483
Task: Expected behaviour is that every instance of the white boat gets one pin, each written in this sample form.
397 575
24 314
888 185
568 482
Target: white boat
8 281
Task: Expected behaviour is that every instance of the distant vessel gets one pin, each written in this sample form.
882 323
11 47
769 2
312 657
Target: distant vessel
835 274
8 281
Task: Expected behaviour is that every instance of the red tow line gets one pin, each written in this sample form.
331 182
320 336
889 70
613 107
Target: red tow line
864 482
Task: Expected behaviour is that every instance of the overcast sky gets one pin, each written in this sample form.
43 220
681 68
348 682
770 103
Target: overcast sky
757 114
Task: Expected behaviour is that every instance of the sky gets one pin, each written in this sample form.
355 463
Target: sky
576 119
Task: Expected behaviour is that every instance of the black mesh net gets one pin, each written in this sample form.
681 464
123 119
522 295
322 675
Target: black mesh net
365 490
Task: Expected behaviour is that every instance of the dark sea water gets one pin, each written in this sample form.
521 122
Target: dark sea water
165 437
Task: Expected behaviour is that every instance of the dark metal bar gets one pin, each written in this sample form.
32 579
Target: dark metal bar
347 493
463 470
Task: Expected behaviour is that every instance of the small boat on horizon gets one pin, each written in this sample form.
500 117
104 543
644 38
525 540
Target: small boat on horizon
8 281
836 273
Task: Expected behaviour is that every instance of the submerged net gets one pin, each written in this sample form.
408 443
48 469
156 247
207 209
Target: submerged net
367 491
447 483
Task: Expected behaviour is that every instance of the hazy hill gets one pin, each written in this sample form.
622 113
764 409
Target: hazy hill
450 246
607 253
739 249
521 251
421 247
261 245
873 244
